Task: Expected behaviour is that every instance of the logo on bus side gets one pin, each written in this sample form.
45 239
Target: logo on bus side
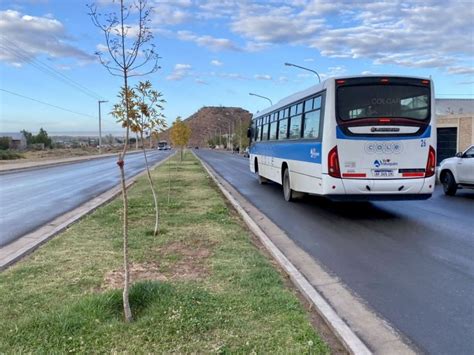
313 153
383 147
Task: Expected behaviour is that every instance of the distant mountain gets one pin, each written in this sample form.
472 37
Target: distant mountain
212 121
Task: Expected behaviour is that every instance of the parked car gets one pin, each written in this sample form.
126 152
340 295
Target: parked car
457 172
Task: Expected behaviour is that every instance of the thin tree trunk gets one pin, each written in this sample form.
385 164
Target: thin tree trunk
121 163
152 189
169 180
126 303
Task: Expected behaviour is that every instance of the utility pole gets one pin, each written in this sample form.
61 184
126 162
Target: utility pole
100 127
240 135
304 68
263 97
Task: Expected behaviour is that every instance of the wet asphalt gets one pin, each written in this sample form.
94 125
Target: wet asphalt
412 262
31 198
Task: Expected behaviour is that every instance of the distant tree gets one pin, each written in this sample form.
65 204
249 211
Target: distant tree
28 136
109 139
180 134
240 138
4 143
42 138
129 52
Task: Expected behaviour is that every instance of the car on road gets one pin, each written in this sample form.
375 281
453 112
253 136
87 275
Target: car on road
457 172
246 153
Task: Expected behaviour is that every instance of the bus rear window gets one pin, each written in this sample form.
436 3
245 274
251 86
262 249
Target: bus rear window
375 101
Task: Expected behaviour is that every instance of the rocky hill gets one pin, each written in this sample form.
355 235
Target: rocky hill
212 121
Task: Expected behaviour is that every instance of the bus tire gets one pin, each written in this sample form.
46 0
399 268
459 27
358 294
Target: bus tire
449 183
261 179
288 193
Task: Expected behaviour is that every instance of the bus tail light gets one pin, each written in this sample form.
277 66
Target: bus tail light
431 164
333 163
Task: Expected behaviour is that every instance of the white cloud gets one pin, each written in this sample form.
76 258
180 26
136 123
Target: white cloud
26 37
263 77
216 63
201 82
275 25
461 70
407 33
180 72
212 43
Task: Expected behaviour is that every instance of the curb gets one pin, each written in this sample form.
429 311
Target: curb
25 245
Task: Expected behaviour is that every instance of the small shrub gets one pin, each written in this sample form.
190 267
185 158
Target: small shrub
4 143
10 155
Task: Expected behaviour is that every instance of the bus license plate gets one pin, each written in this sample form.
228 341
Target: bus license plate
382 173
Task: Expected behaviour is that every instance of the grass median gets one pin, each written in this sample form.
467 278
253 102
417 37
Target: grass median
200 286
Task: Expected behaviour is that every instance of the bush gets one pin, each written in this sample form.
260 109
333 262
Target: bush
4 143
9 155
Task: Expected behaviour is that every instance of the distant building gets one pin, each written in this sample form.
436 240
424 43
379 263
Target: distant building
17 140
455 121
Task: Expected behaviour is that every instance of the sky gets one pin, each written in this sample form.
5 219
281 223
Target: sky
215 52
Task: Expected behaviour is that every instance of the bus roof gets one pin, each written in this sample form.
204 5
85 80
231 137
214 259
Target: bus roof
321 86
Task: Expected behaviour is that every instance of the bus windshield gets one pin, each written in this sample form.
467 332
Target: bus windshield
375 100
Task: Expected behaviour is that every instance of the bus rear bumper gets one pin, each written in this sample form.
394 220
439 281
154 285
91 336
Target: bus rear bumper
381 189
379 197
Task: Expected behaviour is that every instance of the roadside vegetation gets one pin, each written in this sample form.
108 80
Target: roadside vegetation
201 286
10 155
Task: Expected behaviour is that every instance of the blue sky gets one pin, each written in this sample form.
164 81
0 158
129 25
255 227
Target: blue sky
216 52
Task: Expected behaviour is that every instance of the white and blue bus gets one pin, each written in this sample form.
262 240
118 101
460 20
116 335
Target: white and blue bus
351 138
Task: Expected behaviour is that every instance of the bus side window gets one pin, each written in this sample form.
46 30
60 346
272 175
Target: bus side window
295 127
317 103
265 132
311 124
283 129
273 130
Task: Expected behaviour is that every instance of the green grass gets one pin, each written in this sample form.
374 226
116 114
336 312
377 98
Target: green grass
204 286
10 155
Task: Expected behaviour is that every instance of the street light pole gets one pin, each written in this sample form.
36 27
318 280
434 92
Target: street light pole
263 97
100 127
298 66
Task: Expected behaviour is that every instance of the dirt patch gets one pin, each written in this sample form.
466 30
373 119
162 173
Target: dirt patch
178 262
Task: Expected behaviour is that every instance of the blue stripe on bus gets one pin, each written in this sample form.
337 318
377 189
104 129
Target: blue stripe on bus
341 135
297 150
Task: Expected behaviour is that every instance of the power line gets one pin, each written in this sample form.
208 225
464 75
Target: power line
48 104
13 49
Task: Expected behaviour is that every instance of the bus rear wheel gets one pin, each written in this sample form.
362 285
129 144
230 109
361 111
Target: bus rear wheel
288 193
261 179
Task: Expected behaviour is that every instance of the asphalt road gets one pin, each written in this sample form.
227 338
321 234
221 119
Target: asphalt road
411 261
32 198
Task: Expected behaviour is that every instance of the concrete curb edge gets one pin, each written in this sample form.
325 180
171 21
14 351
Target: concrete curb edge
349 339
